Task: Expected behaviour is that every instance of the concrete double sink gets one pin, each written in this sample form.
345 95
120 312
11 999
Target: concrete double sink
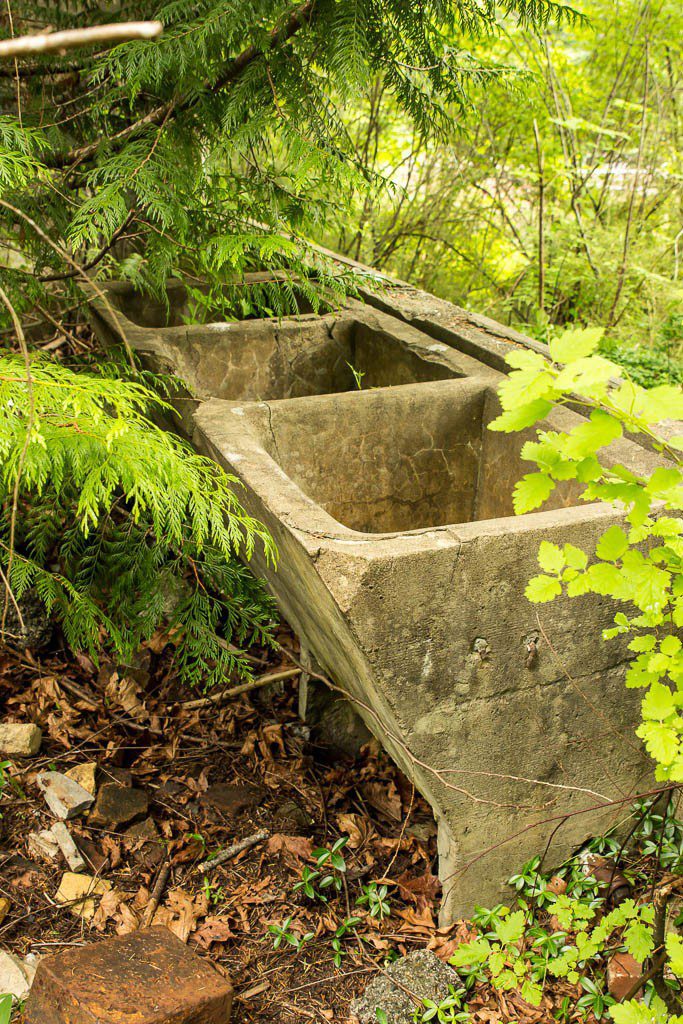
403 568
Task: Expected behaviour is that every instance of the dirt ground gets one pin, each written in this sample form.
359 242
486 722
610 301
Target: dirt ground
214 775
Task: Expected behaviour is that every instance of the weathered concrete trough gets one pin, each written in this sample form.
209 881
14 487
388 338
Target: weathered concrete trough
403 568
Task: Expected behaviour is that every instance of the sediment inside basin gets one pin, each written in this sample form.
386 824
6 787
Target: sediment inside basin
397 459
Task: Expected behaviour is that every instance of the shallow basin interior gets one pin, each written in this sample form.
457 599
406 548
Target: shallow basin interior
391 460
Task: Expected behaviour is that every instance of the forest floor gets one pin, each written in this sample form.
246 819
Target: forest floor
205 777
214 775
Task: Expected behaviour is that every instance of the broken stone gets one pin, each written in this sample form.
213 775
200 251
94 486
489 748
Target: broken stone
116 805
4 910
144 838
232 799
43 845
84 775
420 973
120 776
16 976
128 976
19 739
80 893
64 797
68 847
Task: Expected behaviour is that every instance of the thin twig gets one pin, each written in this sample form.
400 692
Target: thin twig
157 893
234 691
232 851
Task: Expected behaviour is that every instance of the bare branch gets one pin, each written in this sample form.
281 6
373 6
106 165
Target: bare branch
60 42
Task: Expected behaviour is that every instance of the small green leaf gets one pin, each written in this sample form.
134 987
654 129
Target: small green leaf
575 344
522 417
511 928
531 491
541 589
550 557
575 557
612 545
674 950
639 940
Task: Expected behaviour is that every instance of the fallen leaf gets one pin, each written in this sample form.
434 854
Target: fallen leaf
293 848
385 798
213 929
358 829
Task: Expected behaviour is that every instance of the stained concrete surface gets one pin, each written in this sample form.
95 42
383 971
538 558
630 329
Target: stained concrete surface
403 569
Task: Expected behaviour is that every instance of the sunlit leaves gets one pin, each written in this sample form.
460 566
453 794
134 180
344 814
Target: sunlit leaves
575 344
531 491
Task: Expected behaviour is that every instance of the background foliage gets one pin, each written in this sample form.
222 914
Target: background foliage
579 141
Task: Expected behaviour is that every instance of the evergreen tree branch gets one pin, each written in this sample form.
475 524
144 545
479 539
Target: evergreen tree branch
299 17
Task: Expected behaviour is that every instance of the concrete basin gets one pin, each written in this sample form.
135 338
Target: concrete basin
403 570
274 358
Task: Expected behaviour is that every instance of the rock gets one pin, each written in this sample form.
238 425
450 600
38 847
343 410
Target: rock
43 845
34 630
18 739
84 775
421 972
80 893
147 847
64 797
290 817
127 977
4 910
120 776
334 720
16 976
233 798
68 847
623 971
116 805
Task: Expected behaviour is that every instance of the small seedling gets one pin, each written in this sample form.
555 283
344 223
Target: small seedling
376 900
5 1009
357 375
331 859
347 925
283 933
594 1001
305 884
449 1011
214 893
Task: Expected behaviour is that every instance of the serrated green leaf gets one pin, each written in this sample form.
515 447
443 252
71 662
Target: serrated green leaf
575 344
511 928
612 545
661 741
550 557
531 491
522 417
469 953
541 589
575 557
658 703
639 941
674 951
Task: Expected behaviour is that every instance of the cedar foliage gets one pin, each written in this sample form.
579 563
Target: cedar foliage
205 154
